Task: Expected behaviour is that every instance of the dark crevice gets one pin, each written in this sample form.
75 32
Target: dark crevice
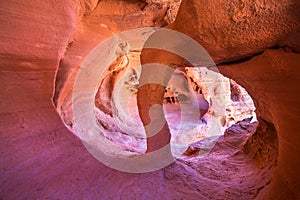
290 50
249 57
97 5
60 75
240 60
143 5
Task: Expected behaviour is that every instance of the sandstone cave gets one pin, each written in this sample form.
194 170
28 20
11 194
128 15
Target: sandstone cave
223 104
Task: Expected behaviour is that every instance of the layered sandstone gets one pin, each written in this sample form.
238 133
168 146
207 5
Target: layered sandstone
43 43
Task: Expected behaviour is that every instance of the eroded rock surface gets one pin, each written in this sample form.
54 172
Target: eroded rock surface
42 159
236 29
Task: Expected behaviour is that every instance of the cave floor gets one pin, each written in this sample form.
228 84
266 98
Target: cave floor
225 172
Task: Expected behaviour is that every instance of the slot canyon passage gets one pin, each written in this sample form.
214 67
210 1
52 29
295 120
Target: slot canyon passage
254 44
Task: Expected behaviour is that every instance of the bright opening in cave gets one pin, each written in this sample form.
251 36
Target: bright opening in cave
199 105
